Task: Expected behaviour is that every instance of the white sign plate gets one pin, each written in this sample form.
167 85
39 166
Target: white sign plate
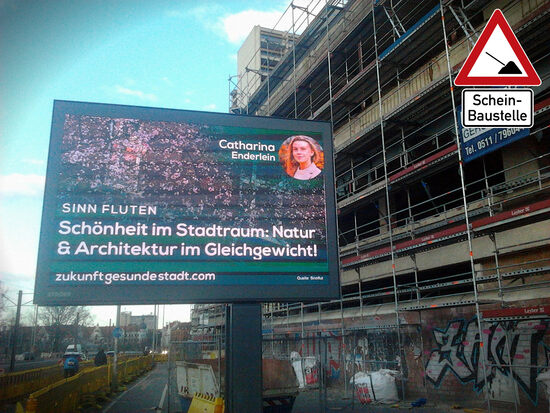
490 108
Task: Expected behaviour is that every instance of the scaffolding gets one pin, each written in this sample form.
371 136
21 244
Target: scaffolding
418 227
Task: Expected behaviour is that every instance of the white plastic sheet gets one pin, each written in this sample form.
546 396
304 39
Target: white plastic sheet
296 360
380 385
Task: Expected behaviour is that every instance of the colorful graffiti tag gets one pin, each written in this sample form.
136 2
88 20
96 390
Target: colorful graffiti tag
518 344
311 346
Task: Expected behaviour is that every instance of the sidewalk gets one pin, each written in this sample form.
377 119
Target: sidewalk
148 394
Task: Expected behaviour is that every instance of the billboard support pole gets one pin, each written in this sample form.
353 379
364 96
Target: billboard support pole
244 358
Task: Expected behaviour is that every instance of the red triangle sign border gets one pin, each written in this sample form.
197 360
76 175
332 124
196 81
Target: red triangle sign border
497 19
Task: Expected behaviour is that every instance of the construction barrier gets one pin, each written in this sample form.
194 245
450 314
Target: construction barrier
14 386
62 396
128 369
204 403
84 388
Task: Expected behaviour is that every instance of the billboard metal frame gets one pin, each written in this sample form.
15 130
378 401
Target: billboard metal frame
46 293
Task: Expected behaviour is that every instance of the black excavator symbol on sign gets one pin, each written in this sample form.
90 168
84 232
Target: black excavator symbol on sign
509 68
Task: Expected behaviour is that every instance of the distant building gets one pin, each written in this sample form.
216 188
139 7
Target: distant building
207 320
176 331
127 319
258 55
135 338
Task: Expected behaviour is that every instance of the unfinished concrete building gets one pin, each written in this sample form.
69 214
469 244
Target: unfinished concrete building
445 263
261 51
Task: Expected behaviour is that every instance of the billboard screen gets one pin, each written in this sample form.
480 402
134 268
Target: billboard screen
146 205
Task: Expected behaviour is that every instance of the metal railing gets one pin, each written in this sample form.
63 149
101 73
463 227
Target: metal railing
436 211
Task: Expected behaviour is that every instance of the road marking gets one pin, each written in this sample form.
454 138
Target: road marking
125 392
161 402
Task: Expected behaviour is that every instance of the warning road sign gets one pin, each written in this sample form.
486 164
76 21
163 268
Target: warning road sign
497 59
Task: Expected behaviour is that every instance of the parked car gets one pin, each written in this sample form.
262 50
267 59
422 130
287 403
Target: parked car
28 355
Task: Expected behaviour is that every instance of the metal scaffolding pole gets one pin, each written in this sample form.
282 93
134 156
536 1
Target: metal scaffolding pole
465 205
416 287
356 235
497 268
328 66
514 384
487 188
294 62
360 294
268 73
387 192
287 314
268 93
464 29
342 349
302 318
229 93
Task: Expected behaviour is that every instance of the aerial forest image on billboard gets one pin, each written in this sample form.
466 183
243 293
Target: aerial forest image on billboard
195 203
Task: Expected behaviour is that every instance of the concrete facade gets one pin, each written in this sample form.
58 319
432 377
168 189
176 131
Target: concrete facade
257 56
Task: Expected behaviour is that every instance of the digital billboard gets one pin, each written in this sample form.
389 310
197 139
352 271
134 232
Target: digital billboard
147 205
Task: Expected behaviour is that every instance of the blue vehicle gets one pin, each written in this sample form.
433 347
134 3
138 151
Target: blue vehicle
70 363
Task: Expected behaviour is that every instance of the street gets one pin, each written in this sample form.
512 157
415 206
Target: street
22 365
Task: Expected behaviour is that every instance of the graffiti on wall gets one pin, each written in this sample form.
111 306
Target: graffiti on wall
377 349
505 343
365 350
331 356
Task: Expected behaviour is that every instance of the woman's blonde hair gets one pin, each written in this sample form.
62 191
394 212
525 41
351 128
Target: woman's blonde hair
290 165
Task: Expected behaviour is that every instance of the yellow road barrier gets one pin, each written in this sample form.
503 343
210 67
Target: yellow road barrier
16 385
131 368
204 403
84 388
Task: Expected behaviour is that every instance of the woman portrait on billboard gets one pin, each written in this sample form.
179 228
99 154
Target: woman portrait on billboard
302 157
